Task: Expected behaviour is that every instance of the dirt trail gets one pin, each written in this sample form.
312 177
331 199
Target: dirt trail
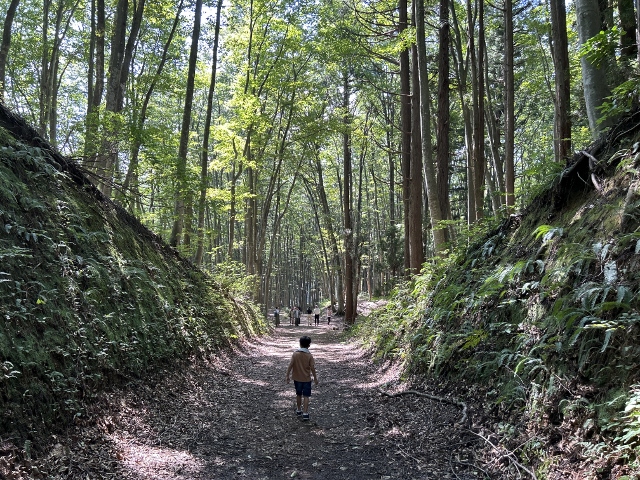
234 418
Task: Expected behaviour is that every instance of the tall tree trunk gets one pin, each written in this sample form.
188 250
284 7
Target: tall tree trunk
95 83
562 104
44 71
336 273
628 24
131 179
594 78
416 252
637 4
461 65
6 43
349 247
405 125
119 64
472 156
181 166
478 121
108 151
439 237
509 108
443 116
494 177
204 165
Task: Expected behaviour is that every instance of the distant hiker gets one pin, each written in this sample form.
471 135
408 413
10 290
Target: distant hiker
316 315
296 315
301 366
276 315
329 312
291 312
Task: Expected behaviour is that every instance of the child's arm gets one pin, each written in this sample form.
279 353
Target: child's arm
289 368
315 377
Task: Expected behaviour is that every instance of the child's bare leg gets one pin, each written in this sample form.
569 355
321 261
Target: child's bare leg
299 401
305 409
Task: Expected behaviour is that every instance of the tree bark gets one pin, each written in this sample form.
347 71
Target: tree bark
562 104
131 179
349 314
637 4
594 78
509 109
416 252
443 116
478 121
335 273
204 164
628 24
181 165
95 83
405 126
6 43
439 236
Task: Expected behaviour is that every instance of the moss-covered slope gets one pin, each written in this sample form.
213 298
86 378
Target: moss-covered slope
88 296
543 311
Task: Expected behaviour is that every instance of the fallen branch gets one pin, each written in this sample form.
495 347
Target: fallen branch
456 402
508 455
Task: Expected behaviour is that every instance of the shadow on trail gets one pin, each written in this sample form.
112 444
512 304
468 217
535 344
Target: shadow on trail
234 418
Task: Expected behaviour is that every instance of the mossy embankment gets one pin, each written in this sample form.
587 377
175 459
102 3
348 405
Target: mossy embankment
542 315
88 296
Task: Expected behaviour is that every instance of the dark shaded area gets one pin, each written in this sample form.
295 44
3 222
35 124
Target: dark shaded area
89 297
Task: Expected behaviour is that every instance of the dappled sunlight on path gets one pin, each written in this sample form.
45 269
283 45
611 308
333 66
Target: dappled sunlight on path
233 417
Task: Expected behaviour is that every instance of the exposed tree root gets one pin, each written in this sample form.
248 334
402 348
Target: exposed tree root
454 401
593 163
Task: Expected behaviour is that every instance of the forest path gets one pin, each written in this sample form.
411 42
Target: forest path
234 418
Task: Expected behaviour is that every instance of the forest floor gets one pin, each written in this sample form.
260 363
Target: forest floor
233 417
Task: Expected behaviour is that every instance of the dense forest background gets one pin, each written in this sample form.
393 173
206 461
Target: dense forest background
322 149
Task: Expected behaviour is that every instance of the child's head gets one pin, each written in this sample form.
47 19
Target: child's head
305 341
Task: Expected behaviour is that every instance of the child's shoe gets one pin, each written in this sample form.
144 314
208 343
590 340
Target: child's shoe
305 416
298 412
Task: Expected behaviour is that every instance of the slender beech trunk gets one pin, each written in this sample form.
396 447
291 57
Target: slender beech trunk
181 166
131 179
349 247
44 70
594 78
122 49
204 164
335 272
95 83
405 125
6 43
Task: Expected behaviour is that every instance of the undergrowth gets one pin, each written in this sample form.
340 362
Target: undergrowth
543 311
89 298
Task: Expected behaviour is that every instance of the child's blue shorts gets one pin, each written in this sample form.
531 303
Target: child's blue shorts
303 388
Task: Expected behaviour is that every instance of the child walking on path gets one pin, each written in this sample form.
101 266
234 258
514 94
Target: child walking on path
301 366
